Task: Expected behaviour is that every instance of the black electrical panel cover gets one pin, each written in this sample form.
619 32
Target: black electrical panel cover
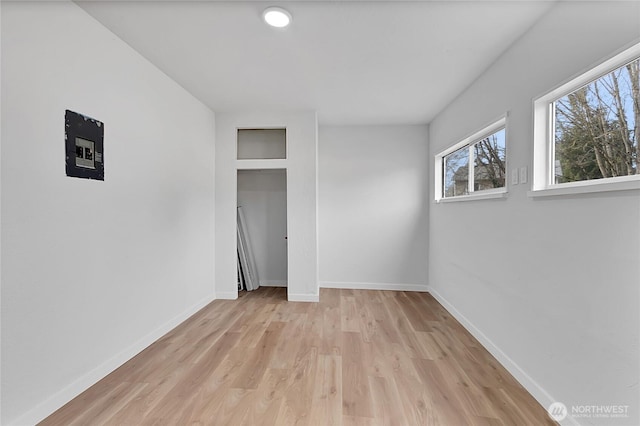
84 146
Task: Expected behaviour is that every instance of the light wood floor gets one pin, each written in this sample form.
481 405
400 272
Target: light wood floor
355 358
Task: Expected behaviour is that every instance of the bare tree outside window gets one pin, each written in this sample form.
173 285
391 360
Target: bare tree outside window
490 168
597 128
484 160
456 169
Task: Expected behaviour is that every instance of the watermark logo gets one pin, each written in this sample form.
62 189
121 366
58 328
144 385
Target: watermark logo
609 411
557 411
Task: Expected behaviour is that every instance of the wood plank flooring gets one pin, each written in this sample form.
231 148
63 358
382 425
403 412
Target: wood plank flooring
355 358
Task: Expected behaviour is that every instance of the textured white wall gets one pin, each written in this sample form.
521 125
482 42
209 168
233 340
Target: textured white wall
552 284
263 197
302 137
372 203
92 272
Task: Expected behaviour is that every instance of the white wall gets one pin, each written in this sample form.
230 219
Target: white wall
372 202
302 137
263 197
1 133
94 271
550 285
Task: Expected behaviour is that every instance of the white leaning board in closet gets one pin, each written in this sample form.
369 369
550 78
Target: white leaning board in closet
247 270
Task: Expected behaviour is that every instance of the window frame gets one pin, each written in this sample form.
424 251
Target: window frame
543 179
469 142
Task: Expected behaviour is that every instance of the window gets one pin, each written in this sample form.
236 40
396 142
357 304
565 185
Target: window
476 164
587 131
262 144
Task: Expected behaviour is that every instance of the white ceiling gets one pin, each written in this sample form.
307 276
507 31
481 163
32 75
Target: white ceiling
354 62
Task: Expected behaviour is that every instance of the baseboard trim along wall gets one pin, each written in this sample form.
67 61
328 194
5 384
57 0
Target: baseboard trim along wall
227 295
53 403
272 283
293 297
541 395
374 286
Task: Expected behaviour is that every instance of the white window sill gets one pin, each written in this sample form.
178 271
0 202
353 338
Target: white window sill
475 196
260 164
586 188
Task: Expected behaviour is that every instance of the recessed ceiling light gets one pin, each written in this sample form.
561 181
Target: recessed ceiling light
276 17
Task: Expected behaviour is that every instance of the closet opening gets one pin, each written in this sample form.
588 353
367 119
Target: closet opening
262 230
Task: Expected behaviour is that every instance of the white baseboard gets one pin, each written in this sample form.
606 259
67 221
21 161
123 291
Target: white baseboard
292 297
541 395
272 283
374 286
227 295
50 405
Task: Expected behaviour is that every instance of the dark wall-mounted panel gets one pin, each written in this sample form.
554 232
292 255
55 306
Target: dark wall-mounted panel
84 146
